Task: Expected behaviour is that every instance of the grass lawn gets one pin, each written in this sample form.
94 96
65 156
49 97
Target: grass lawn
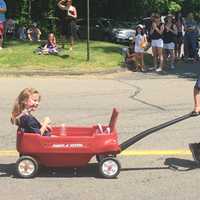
19 55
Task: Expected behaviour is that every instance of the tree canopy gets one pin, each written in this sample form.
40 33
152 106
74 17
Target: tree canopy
47 13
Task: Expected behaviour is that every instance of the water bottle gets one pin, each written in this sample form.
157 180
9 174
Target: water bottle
62 130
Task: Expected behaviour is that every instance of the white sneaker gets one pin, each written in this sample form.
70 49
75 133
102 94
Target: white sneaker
172 67
159 69
1 48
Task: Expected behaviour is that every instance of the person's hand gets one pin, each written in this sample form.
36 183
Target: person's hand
154 26
48 128
46 121
167 28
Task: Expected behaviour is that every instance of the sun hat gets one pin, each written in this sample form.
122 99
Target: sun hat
140 26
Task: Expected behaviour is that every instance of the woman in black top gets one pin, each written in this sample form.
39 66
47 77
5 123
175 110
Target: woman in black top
26 102
169 39
69 21
179 25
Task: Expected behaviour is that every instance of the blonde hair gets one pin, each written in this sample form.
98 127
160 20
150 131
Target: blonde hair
54 38
20 103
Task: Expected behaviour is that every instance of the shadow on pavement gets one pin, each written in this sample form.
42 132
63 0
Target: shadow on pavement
91 170
181 164
144 168
7 170
183 69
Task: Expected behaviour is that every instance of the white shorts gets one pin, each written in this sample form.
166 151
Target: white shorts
138 49
157 43
169 46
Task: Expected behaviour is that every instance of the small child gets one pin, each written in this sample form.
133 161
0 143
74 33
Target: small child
50 47
140 44
130 57
28 101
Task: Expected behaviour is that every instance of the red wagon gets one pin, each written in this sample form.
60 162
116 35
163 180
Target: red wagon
69 146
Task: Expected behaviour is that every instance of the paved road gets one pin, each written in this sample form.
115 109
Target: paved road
144 100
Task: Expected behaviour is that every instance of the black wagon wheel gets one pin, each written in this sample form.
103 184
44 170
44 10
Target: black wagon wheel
26 167
109 167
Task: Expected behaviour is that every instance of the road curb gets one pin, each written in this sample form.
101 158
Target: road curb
59 72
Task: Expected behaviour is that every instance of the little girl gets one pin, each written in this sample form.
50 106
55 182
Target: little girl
50 47
140 43
28 101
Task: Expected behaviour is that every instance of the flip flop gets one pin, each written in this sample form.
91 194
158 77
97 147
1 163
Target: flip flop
195 113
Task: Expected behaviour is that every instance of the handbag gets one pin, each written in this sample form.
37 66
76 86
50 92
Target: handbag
144 43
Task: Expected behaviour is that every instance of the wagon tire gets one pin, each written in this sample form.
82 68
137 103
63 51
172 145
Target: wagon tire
26 167
109 168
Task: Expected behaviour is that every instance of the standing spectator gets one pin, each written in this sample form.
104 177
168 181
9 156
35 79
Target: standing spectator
10 28
169 39
190 37
179 25
21 32
70 19
140 44
3 9
157 42
34 33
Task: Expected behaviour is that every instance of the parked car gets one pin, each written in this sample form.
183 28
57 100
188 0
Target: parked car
100 29
123 31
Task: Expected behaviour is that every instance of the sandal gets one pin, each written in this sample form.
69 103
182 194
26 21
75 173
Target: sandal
195 113
142 69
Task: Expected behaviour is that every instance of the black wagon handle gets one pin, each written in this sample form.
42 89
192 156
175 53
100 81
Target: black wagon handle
147 132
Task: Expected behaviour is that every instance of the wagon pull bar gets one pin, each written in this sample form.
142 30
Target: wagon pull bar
147 132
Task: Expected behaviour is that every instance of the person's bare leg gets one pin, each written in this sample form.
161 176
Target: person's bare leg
38 37
141 61
62 41
71 43
29 37
154 51
165 57
172 58
196 100
1 41
160 55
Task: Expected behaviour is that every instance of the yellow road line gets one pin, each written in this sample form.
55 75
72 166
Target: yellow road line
8 153
155 152
5 153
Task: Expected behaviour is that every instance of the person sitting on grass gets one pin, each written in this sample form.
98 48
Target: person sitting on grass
50 47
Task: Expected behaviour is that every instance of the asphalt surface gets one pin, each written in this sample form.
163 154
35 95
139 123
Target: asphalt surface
144 101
